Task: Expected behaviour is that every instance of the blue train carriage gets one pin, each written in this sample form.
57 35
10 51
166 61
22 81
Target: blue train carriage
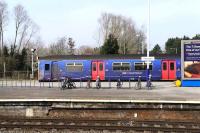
131 69
56 70
126 69
77 70
107 67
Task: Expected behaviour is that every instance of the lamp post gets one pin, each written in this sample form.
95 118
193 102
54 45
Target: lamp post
138 43
142 48
32 74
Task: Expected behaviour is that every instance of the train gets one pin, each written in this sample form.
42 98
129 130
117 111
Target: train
108 67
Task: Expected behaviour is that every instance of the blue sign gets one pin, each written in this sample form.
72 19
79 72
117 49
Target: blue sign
192 52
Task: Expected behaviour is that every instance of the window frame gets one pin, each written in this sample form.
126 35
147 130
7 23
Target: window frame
170 66
122 66
101 66
144 66
74 65
94 67
45 67
164 66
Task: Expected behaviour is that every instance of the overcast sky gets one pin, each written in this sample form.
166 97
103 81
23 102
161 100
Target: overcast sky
79 18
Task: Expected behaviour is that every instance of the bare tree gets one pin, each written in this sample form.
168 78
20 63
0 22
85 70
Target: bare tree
59 47
86 50
110 24
23 34
30 30
25 28
21 19
123 29
3 22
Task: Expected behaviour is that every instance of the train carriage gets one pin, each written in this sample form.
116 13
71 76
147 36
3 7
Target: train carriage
107 67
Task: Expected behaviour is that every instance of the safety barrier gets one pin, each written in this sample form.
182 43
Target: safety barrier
22 79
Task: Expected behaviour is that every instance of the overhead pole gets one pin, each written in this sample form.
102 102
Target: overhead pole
148 30
148 40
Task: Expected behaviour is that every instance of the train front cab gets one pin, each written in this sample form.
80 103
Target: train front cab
168 70
44 70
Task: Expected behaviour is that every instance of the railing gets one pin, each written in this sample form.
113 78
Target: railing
22 79
17 75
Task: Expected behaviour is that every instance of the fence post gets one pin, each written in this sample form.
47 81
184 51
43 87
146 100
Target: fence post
18 75
34 82
16 83
25 82
49 83
2 83
4 70
6 81
109 83
80 82
30 82
11 81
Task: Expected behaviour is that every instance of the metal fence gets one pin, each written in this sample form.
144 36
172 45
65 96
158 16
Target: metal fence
16 75
81 84
22 79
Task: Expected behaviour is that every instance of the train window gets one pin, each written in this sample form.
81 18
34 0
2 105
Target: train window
70 67
142 66
121 66
150 66
101 66
164 66
126 66
139 66
74 67
78 67
172 66
116 66
46 67
94 67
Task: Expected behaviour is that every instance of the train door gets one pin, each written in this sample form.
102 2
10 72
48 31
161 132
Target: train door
168 70
101 70
55 71
94 70
165 73
47 70
172 70
98 69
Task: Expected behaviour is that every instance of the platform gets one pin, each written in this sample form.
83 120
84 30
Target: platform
163 91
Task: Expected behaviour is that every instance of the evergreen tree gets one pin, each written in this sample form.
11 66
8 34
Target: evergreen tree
5 51
196 37
156 50
21 60
71 45
173 45
110 46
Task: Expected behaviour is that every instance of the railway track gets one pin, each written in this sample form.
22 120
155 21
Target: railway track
127 125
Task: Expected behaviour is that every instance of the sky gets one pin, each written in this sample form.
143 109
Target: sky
79 18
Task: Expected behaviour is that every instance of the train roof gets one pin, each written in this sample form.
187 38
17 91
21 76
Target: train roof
116 56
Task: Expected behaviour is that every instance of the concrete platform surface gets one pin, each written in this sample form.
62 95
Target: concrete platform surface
163 91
